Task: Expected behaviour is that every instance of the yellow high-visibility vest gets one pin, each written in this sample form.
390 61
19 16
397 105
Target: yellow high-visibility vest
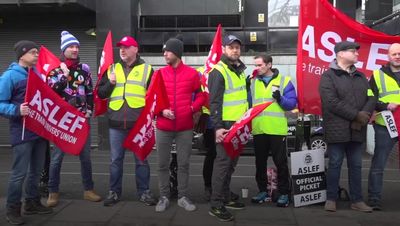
132 89
235 95
272 120
388 89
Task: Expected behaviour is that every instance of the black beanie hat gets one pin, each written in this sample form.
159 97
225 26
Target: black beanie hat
174 45
23 47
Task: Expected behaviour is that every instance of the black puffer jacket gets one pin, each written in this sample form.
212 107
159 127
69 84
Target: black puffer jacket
343 95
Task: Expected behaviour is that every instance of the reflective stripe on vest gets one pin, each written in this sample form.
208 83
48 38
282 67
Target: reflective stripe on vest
235 95
203 108
388 90
272 120
131 89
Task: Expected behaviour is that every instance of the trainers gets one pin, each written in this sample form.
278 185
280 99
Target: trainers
111 199
13 214
261 198
207 193
361 206
221 213
90 195
36 207
375 205
162 204
234 205
234 196
283 201
186 204
52 200
330 206
147 198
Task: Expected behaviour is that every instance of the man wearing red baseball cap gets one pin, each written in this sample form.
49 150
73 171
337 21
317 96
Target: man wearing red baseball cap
125 86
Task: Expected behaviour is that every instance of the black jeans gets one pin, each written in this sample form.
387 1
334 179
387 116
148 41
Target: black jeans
274 144
209 144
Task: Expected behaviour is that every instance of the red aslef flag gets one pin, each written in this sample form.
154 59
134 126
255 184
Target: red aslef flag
107 59
239 133
321 26
141 138
213 58
47 62
53 118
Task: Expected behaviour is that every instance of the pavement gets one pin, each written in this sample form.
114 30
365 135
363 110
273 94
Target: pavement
72 210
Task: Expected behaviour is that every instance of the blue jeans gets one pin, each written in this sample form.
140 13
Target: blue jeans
336 152
55 167
383 146
142 168
26 156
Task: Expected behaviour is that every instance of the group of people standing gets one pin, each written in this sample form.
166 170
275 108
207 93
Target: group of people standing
346 112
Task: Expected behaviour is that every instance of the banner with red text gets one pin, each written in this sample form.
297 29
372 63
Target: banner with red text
141 138
321 26
54 119
107 58
239 133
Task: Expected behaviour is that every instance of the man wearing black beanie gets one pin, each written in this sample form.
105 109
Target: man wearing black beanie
176 123
175 46
28 151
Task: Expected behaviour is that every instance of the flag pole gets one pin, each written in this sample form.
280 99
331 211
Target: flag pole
26 94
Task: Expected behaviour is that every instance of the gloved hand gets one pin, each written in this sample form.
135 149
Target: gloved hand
277 95
363 117
356 125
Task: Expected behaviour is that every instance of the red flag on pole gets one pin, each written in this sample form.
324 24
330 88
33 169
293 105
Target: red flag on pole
107 58
47 62
53 118
213 57
315 46
141 138
239 133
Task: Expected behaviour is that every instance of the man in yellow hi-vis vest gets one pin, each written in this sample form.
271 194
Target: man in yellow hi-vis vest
270 126
228 102
125 86
385 83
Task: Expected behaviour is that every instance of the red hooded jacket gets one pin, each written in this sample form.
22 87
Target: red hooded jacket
185 97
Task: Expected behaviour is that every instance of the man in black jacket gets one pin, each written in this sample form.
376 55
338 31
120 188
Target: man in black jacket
347 104
228 102
125 85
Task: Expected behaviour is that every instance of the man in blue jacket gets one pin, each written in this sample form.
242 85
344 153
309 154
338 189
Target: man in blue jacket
28 151
270 126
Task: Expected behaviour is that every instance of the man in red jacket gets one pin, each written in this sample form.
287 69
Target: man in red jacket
176 123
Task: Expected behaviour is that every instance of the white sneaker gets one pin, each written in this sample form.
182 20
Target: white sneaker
186 203
162 204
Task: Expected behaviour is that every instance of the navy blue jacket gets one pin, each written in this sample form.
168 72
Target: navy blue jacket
12 95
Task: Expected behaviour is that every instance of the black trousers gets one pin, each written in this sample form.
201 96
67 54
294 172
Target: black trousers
209 144
274 144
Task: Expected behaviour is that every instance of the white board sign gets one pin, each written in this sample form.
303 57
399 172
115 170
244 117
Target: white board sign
308 177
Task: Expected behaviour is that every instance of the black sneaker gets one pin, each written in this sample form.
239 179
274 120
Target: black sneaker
221 213
234 205
36 207
111 199
13 215
375 205
234 197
